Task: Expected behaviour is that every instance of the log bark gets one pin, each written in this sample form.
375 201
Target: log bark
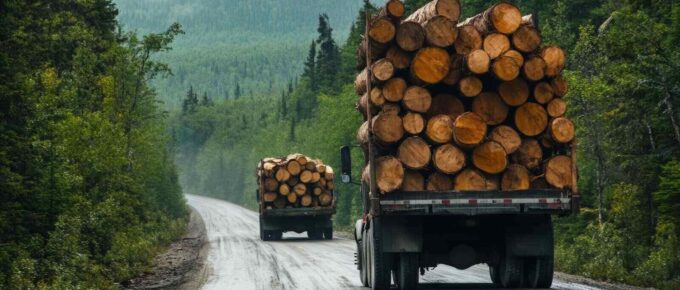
531 119
534 69
387 128
448 159
417 99
506 68
389 173
269 196
376 50
516 55
399 58
440 129
413 181
468 39
440 31
414 123
562 130
430 65
362 105
503 17
529 154
469 130
455 70
556 108
470 180
558 172
491 108
490 157
514 93
495 44
410 36
470 86
554 60
282 174
543 93
381 70
527 38
394 89
507 137
445 104
447 8
414 153
560 86
270 184
439 182
477 62
516 177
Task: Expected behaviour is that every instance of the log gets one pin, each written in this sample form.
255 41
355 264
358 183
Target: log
317 191
546 141
306 200
270 184
539 182
330 185
325 199
311 165
306 176
531 119
284 189
399 58
560 86
389 173
556 108
440 129
495 44
445 104
554 60
477 62
516 55
455 70
470 180
417 99
448 159
300 158
490 107
447 8
300 189
493 182
470 86
506 68
329 175
468 39
490 157
293 180
316 177
527 38
381 70
320 167
469 130
558 172
268 168
562 130
543 93
293 167
516 177
292 198
440 31
269 196
387 128
391 108
515 92
503 17
394 89
430 65
438 181
534 69
282 174
507 137
393 8
414 123
529 154
280 202
413 181
362 105
414 153
382 30
410 36
376 50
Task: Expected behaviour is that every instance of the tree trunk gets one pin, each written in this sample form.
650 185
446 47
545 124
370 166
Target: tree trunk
381 70
516 177
529 154
440 129
448 159
503 18
269 196
554 60
394 89
445 104
414 123
506 68
410 36
417 99
534 69
507 137
440 31
413 181
514 93
490 157
491 108
470 86
562 130
468 39
477 62
414 153
556 108
543 93
439 182
389 173
527 38
495 44
531 119
469 130
430 65
470 180
558 172
447 8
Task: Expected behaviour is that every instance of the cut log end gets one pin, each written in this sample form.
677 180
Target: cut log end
410 36
382 30
439 182
558 172
514 93
507 137
394 89
556 108
554 59
562 130
490 157
469 129
468 39
440 31
431 65
389 173
516 177
506 68
526 39
417 99
543 93
534 69
440 129
448 159
414 123
491 108
478 62
470 86
529 154
496 44
470 180
531 119
414 153
505 17
413 181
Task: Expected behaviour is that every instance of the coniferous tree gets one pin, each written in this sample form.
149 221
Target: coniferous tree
237 91
190 101
310 71
328 57
206 101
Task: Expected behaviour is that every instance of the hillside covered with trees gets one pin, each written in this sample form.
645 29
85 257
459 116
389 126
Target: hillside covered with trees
623 68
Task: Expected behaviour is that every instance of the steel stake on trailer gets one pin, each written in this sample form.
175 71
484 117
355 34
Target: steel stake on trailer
373 186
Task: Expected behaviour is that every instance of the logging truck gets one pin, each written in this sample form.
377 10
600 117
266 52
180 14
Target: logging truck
467 148
295 193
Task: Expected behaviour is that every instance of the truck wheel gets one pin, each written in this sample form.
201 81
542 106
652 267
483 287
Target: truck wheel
379 261
277 235
314 234
494 274
406 273
510 272
363 267
538 272
328 233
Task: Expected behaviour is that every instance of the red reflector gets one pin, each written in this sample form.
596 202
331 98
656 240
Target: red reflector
542 200
472 201
446 202
507 201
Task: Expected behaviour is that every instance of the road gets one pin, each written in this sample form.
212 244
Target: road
238 259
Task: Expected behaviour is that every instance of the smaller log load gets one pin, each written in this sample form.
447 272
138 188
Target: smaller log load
291 181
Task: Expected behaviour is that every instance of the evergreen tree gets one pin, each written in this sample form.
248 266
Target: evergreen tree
190 101
206 101
237 91
310 69
328 58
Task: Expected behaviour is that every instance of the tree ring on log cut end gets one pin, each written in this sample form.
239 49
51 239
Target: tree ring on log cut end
557 107
560 86
562 130
388 128
393 90
382 30
543 93
516 177
417 99
478 62
410 36
490 157
383 69
448 159
440 31
516 55
470 180
507 137
529 154
531 119
438 181
534 68
558 172
468 40
495 44
431 65
554 59
470 86
414 123
413 181
395 8
490 107
414 153
389 173
506 18
440 129
506 68
526 39
515 92
469 129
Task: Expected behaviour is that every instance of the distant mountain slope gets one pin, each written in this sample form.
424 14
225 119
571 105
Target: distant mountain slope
259 44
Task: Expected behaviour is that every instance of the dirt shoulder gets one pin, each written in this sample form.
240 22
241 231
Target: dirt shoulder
182 265
595 283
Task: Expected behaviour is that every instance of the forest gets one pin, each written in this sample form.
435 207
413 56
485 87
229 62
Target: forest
89 192
624 73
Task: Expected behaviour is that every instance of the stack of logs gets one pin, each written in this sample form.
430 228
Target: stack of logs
295 181
469 106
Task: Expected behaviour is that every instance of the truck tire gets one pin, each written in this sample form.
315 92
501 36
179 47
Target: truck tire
379 271
538 272
276 235
510 272
328 233
363 267
406 272
494 274
314 234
